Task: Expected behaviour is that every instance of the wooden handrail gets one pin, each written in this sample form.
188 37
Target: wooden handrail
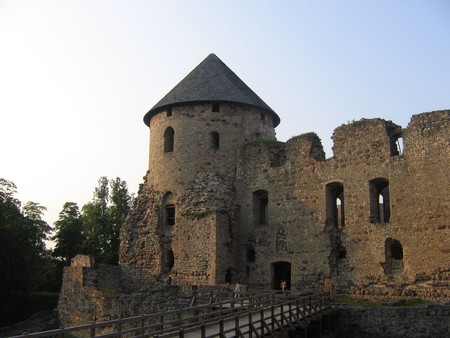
282 312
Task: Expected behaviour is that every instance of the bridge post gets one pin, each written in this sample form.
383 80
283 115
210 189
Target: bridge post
272 313
236 326
92 330
221 328
161 320
262 322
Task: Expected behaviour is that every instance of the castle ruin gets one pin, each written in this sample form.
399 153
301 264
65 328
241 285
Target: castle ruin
224 201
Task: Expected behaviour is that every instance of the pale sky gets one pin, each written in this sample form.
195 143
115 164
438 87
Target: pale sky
77 76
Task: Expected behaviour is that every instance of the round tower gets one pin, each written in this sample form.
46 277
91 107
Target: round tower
200 125
196 133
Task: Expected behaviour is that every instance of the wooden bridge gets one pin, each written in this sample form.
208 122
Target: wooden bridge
255 316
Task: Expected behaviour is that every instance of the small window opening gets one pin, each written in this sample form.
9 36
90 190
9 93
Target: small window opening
251 255
342 252
215 140
400 145
263 117
168 139
247 271
229 276
170 260
260 207
216 107
170 215
169 112
393 257
335 204
379 201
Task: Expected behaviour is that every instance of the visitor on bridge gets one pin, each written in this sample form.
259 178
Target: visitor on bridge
237 290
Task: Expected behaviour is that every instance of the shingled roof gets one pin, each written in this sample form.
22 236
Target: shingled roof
210 81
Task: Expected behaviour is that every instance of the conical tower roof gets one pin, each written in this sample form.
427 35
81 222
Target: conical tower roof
211 81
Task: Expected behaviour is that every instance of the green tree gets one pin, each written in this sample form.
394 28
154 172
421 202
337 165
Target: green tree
22 250
68 235
102 219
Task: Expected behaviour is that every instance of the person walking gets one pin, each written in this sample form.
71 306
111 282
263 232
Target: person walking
237 290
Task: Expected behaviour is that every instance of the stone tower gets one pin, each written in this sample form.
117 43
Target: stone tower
187 224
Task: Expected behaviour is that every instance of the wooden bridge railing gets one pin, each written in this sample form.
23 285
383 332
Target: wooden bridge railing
255 315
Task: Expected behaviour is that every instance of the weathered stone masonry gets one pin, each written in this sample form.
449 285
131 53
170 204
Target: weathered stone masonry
224 201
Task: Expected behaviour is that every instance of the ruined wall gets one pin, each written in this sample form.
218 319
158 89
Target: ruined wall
358 253
292 232
418 321
94 294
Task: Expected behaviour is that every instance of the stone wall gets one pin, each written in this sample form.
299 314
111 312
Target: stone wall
374 217
302 231
94 294
412 322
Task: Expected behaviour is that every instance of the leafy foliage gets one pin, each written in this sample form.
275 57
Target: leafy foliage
69 236
102 219
23 256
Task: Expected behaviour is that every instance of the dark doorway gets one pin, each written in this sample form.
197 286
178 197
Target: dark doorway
281 271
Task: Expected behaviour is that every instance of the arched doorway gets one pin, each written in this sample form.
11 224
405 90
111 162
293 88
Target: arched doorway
280 271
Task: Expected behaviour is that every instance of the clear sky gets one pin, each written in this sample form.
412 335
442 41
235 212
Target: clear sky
77 76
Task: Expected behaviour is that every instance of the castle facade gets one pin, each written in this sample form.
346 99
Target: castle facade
224 201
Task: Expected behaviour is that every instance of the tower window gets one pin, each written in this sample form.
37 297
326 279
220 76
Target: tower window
216 107
215 140
168 139
251 255
380 211
260 207
169 112
170 214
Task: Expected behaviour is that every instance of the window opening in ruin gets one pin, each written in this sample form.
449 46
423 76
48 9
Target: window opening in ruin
229 276
169 112
215 140
168 139
251 255
170 260
280 271
335 204
247 271
393 264
170 214
342 252
260 207
400 145
379 201
216 107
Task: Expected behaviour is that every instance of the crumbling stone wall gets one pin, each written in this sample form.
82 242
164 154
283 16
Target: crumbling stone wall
364 151
384 321
217 236
94 294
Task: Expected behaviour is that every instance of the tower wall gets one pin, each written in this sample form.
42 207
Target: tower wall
193 150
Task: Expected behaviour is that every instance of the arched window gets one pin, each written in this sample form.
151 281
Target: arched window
380 210
168 139
168 260
393 251
251 255
214 140
335 204
170 214
260 207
